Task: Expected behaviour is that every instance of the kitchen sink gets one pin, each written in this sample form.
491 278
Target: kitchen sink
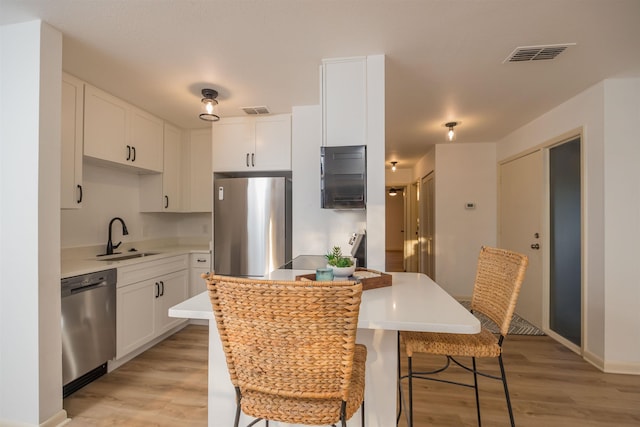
126 256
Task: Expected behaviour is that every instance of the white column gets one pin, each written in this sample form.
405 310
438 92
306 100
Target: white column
30 347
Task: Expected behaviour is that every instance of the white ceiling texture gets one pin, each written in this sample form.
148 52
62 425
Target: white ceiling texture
444 58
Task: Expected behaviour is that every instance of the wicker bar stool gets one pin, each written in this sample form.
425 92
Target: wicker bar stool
290 348
498 280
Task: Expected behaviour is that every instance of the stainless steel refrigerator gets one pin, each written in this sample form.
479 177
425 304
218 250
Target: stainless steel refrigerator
251 225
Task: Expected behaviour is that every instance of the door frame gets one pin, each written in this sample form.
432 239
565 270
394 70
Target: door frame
545 228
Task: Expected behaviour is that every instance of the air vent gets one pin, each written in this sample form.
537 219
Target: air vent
256 110
537 53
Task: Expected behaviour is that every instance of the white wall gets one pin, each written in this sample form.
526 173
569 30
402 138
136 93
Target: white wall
315 230
110 192
107 193
586 111
464 173
622 225
30 356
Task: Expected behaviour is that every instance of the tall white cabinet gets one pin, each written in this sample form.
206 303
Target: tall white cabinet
161 192
72 111
344 101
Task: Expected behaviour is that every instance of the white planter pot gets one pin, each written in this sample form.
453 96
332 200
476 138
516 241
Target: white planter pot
343 271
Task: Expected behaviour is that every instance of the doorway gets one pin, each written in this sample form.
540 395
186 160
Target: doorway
427 226
540 211
395 228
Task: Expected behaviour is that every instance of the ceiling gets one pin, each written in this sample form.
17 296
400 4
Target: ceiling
444 58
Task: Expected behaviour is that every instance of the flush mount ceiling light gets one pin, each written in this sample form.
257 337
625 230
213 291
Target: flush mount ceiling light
451 134
393 191
208 104
393 166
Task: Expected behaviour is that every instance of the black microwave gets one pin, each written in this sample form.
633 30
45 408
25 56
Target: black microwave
343 177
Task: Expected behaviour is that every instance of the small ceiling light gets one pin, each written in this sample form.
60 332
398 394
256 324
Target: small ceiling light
393 166
209 103
393 191
451 134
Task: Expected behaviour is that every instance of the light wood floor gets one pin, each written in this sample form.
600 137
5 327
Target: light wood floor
550 386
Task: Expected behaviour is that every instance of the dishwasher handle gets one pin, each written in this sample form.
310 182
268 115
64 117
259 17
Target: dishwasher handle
87 287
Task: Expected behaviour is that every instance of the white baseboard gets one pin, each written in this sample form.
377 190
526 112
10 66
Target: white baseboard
56 420
594 359
628 368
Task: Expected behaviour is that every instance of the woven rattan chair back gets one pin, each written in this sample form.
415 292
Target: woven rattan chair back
499 277
293 339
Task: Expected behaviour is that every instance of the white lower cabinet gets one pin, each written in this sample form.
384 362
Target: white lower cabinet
200 264
145 292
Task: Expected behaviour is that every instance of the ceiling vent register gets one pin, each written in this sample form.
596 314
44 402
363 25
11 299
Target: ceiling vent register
537 53
256 111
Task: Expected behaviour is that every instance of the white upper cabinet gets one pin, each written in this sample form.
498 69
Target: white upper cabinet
344 101
71 140
252 144
117 132
161 192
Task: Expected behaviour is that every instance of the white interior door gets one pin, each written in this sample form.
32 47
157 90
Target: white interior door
521 205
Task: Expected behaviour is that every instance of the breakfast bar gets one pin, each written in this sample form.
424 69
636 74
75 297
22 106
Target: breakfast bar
414 302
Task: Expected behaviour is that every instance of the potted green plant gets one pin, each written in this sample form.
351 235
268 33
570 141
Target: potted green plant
343 266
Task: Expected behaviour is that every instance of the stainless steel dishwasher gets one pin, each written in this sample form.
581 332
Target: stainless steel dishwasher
88 327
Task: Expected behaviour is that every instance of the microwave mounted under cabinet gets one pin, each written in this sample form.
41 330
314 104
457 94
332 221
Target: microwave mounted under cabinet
343 177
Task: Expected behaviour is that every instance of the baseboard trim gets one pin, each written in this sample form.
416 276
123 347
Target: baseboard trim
56 420
594 359
628 368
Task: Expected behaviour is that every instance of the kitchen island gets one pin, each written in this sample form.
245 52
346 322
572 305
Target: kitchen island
413 303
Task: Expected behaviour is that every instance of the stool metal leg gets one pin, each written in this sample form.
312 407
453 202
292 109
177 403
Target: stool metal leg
506 391
475 387
410 375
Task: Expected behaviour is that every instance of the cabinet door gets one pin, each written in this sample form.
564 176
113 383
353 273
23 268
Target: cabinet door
199 172
344 101
233 144
171 173
273 143
135 316
71 140
200 264
173 290
106 122
146 141
161 192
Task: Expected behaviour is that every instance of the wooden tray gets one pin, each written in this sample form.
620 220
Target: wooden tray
380 281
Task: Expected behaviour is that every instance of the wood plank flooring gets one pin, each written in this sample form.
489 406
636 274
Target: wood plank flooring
549 385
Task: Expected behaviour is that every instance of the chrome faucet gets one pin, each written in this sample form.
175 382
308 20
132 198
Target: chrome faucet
110 245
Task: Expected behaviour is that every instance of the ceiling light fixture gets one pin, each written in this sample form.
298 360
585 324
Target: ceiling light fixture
393 191
451 134
209 103
393 166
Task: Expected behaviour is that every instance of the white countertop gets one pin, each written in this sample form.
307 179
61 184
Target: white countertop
413 303
89 264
